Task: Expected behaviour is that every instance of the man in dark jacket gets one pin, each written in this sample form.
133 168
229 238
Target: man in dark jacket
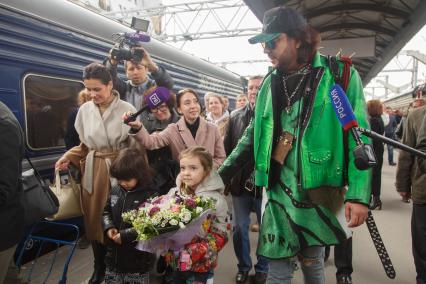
11 210
245 195
410 181
142 76
390 129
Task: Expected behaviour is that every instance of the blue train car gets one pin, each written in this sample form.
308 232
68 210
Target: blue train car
44 46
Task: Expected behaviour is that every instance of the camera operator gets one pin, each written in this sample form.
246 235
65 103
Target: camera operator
142 75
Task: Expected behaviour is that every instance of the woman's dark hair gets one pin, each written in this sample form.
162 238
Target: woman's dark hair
374 107
97 71
131 163
309 39
171 103
187 90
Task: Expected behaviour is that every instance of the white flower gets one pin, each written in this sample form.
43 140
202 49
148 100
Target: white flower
198 210
173 222
156 219
182 225
185 215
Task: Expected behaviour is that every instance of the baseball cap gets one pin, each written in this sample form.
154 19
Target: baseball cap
278 20
158 96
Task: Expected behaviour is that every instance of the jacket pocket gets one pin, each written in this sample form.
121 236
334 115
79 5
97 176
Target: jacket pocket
319 156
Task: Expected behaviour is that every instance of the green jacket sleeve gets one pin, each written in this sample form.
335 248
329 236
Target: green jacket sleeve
242 154
359 182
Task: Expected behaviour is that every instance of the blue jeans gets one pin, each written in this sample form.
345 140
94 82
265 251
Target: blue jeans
242 209
312 262
390 149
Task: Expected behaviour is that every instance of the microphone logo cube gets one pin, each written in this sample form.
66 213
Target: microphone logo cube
155 100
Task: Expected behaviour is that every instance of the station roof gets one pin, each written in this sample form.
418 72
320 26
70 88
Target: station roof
376 29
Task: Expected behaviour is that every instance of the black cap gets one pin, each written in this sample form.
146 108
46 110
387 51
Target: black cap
279 20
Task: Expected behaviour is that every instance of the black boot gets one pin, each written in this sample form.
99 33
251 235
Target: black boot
99 252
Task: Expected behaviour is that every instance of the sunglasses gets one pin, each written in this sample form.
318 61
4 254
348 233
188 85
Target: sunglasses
269 44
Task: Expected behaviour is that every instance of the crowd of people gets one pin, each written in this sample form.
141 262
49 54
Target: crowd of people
275 154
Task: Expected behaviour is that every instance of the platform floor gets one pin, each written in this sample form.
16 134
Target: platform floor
393 222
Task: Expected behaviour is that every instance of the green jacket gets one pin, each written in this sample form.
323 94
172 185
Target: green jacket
322 161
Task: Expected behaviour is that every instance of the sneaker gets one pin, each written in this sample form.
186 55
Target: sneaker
242 276
168 277
344 279
260 278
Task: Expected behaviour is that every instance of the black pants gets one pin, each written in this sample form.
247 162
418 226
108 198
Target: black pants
418 235
343 258
376 180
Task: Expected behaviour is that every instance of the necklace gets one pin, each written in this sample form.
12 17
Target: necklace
305 70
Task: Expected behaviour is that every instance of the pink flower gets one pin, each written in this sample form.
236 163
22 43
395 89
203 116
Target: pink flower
175 208
190 203
157 200
153 211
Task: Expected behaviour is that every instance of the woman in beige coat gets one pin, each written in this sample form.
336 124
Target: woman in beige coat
102 134
190 130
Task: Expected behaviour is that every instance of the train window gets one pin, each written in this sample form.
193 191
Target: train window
49 102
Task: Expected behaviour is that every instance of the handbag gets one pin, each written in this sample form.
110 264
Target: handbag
38 199
69 198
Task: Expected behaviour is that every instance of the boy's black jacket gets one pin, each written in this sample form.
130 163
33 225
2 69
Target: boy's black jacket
125 257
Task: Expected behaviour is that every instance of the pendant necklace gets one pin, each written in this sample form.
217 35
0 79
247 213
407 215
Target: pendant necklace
305 70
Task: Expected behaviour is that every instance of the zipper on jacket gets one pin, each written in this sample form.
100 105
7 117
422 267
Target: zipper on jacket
119 227
305 123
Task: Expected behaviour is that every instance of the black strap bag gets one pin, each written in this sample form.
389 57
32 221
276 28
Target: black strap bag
38 199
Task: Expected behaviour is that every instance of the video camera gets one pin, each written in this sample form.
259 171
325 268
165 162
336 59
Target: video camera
125 42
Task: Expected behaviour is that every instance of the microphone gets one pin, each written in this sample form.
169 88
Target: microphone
363 153
132 117
137 37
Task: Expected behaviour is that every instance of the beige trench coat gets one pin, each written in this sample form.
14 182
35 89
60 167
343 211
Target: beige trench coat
101 136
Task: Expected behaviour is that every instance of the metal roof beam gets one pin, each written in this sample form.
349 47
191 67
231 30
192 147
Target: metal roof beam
209 34
363 26
357 6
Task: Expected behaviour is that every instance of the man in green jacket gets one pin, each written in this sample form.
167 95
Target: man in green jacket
297 145
410 183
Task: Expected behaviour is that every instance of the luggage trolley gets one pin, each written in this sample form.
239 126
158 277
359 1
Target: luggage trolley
71 228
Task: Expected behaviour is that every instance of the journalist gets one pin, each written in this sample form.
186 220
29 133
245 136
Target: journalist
142 75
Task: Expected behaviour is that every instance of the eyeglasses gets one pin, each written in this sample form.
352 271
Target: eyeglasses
162 108
269 44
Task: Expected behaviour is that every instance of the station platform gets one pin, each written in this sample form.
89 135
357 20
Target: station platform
393 222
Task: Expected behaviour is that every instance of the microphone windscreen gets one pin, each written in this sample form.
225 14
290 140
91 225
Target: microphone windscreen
141 37
342 107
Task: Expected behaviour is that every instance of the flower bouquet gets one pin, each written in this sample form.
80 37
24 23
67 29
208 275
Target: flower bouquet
169 221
